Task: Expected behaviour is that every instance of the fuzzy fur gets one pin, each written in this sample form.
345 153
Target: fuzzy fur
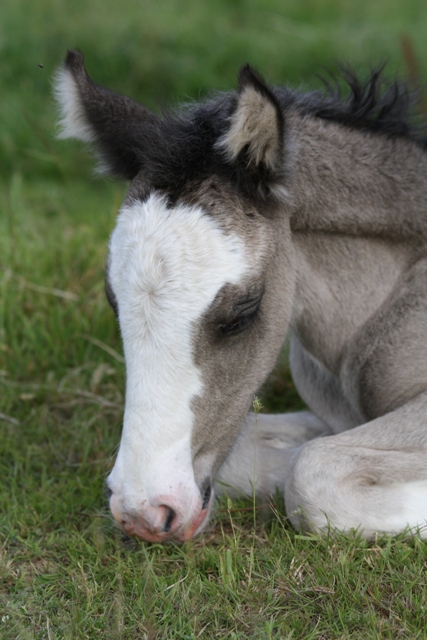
276 213
158 262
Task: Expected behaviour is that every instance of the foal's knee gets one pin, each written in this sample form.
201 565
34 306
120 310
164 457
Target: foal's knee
314 486
347 487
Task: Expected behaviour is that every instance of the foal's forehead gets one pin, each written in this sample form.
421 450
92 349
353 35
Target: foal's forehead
178 251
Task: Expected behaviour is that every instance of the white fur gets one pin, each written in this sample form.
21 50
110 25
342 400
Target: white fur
166 267
72 123
392 509
412 498
260 458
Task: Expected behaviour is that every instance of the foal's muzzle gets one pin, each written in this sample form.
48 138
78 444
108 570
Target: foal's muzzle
165 517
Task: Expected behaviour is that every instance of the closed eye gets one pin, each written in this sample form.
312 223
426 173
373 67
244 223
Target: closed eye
240 321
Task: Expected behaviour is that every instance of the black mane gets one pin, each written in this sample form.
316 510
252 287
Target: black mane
180 148
372 104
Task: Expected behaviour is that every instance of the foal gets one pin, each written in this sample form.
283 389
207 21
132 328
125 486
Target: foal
251 216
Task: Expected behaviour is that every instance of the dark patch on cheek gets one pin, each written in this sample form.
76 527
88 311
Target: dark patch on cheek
225 365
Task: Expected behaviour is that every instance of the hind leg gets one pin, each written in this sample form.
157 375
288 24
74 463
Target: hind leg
261 456
372 478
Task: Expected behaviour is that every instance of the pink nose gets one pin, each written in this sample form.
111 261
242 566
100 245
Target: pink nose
154 524
159 523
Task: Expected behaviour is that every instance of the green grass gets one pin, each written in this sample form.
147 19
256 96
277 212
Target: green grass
65 570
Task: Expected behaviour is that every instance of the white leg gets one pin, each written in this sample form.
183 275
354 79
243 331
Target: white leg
372 478
261 455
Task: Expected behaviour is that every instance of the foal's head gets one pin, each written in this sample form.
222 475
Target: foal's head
192 277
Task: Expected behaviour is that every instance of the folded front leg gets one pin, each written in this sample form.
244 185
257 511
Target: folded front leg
372 478
261 456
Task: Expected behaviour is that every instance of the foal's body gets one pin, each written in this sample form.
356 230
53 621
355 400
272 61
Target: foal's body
358 341
316 223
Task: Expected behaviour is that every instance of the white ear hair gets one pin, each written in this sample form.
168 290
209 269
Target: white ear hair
72 122
113 124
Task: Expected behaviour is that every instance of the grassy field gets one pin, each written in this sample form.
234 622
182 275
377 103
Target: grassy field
65 570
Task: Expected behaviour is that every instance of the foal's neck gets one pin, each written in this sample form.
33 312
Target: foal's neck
357 183
359 221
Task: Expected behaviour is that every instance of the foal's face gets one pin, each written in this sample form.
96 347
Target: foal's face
191 287
202 288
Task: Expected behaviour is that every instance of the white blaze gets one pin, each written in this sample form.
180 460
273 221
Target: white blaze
166 267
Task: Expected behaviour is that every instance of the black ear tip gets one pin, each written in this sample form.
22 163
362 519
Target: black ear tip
246 75
249 77
74 60
245 72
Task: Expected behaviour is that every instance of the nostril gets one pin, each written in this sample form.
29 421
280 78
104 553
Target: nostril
207 496
169 520
109 492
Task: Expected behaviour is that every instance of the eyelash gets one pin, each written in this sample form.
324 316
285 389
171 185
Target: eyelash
239 323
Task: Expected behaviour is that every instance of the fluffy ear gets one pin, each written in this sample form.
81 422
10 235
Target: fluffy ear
255 135
113 124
